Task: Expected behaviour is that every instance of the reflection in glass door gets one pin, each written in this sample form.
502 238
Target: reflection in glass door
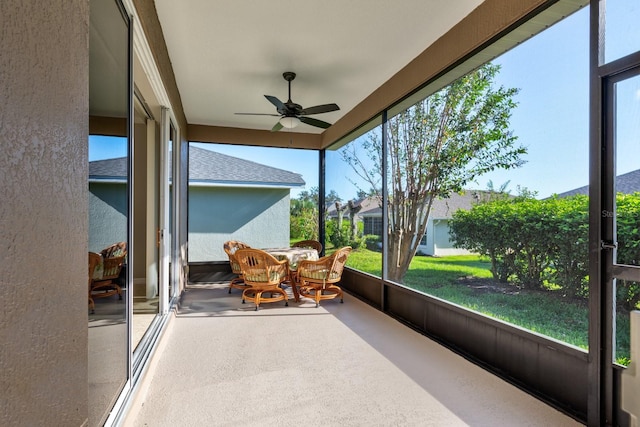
109 208
145 279
625 132
165 235
173 150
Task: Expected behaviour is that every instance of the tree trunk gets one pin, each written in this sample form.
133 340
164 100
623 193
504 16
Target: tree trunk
353 210
399 256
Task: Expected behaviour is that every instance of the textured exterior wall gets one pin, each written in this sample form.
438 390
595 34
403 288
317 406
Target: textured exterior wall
43 212
258 217
107 214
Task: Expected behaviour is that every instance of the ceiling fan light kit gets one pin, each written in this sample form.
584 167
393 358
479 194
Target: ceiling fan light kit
289 122
292 114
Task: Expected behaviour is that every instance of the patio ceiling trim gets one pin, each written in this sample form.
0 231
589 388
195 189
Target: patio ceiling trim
158 62
108 126
227 135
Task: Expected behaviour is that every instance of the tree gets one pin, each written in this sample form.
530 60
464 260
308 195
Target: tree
362 194
331 197
304 215
341 234
436 148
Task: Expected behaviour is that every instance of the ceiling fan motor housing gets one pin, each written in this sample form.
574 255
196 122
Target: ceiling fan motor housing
295 113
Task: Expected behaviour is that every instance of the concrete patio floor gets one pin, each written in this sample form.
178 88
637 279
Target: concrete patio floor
222 363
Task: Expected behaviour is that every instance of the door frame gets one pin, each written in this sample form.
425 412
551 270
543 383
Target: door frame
603 394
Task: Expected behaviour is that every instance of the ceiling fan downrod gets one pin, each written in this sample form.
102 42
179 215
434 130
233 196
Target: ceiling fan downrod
289 76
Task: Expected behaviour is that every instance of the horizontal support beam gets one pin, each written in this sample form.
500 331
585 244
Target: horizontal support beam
259 138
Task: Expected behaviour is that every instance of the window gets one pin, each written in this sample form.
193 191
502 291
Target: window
373 225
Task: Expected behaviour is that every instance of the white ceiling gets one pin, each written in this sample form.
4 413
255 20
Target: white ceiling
228 54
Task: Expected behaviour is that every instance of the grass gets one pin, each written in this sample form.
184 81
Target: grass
466 280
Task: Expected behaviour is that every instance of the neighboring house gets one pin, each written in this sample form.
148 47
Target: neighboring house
627 183
108 203
436 240
229 199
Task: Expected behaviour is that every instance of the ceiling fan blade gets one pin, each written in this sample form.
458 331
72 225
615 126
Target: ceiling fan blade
325 108
275 101
257 114
276 127
315 122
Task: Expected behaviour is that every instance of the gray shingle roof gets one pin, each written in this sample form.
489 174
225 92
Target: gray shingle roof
441 208
444 208
627 183
109 169
209 167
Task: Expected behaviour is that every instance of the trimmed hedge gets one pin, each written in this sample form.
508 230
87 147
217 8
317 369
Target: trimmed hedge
544 243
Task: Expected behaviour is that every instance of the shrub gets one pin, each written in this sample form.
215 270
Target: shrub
570 258
546 242
373 242
342 236
628 252
530 242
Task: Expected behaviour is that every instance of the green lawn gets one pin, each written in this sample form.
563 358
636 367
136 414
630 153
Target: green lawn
466 280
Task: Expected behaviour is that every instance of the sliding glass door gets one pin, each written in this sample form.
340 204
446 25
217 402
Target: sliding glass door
109 189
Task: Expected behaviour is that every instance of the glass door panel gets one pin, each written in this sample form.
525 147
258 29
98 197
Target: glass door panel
108 199
173 190
166 210
625 99
145 272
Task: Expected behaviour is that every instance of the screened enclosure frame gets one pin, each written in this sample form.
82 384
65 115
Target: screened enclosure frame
595 396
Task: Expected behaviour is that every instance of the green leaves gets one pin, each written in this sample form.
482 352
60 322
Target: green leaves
544 243
531 243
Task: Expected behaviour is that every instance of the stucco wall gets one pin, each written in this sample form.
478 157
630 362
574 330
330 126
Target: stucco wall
258 217
43 212
443 245
438 240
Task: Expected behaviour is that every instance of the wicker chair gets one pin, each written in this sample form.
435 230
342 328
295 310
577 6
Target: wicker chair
112 260
115 250
230 247
94 260
263 274
313 244
317 279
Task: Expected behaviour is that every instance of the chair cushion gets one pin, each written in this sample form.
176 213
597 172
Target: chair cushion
320 274
111 271
235 267
262 277
98 272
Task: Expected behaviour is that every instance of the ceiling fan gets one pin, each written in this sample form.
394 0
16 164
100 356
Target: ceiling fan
291 114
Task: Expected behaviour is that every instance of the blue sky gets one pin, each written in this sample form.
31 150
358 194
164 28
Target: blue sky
106 147
551 120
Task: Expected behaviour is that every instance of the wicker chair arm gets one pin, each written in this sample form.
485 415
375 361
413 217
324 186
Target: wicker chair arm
279 270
